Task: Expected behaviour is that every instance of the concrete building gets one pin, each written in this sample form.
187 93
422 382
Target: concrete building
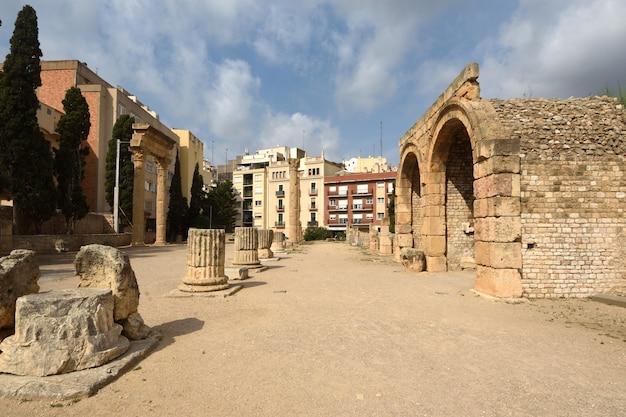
369 164
106 104
359 200
282 189
191 153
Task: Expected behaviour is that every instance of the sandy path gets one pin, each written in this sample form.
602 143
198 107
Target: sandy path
331 330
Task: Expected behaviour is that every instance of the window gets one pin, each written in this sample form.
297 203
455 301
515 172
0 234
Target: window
369 200
258 203
280 203
150 186
258 190
332 202
333 217
369 216
380 185
314 171
148 206
280 218
258 177
332 188
361 189
390 187
149 166
379 216
121 110
313 204
380 200
343 190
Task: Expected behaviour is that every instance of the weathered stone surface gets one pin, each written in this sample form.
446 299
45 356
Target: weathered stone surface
246 245
62 331
236 273
205 261
106 267
413 259
278 243
19 272
102 266
265 239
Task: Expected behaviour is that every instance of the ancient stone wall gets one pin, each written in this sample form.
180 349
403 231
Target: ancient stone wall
48 243
573 193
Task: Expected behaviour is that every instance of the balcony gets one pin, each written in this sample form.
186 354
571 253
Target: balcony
312 191
362 207
337 208
313 207
361 192
312 224
280 193
280 209
279 225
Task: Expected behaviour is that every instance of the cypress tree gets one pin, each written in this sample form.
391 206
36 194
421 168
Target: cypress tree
69 161
123 130
26 163
197 196
177 210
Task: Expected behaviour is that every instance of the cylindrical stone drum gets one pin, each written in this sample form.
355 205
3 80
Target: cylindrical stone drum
205 261
246 245
278 243
265 242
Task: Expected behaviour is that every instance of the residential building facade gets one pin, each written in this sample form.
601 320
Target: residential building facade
359 200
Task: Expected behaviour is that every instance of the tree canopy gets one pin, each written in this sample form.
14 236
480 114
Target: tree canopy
69 161
26 163
123 130
221 206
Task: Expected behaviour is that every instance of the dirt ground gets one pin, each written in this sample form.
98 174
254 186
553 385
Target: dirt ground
334 330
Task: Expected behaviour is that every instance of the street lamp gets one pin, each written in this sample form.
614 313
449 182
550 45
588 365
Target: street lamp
116 190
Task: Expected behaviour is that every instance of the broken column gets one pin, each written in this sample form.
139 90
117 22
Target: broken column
57 332
101 266
246 245
265 242
19 272
278 243
205 261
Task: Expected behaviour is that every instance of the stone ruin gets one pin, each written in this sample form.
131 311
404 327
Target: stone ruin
266 236
529 192
205 261
73 329
278 243
246 247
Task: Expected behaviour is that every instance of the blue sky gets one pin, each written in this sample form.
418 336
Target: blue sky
324 74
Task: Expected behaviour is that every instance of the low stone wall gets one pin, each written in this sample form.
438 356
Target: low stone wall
73 243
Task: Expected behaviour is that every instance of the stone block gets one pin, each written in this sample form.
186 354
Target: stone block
434 226
497 165
236 273
498 255
498 229
405 240
436 264
434 245
19 273
506 185
497 207
495 147
503 283
62 331
403 228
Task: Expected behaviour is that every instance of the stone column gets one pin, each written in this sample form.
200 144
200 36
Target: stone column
293 204
246 245
161 207
205 261
139 158
265 242
278 243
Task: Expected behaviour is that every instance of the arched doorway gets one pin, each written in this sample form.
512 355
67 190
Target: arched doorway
409 207
453 155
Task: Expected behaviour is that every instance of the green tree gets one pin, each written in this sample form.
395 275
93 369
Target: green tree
69 159
123 130
221 206
391 209
197 197
26 163
177 210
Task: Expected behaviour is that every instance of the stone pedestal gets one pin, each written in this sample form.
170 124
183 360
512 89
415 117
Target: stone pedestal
205 261
246 247
62 331
278 243
266 236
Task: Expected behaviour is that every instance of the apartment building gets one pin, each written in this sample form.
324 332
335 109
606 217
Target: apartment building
191 152
106 104
369 164
282 189
359 199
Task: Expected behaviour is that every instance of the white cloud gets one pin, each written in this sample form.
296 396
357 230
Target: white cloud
302 131
233 107
557 49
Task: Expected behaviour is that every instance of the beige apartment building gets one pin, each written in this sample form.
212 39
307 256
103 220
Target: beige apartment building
282 189
369 164
191 153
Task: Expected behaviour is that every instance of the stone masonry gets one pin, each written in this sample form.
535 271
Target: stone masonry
534 190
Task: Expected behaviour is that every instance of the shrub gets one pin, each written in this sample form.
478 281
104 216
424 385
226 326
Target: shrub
316 233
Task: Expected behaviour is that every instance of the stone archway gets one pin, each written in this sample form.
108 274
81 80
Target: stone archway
147 140
452 155
408 208
469 188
